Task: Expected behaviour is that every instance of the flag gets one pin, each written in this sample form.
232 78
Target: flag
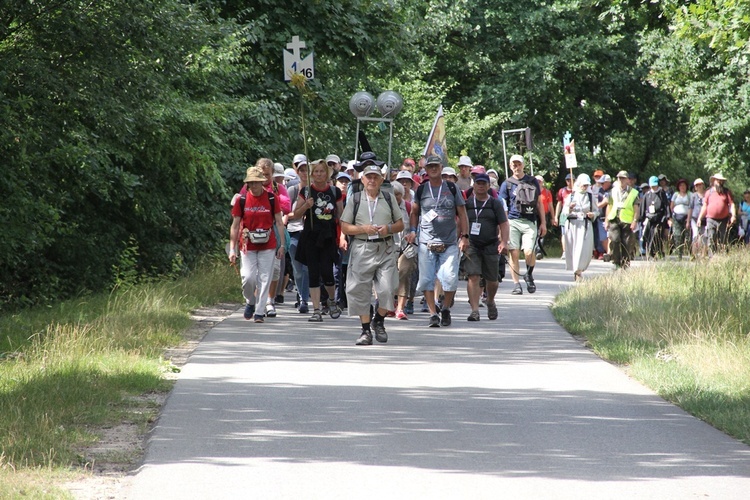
569 150
436 140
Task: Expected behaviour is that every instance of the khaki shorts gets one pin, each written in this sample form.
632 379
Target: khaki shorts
522 235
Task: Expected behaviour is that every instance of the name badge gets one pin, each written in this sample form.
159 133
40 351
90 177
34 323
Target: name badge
430 216
475 228
651 209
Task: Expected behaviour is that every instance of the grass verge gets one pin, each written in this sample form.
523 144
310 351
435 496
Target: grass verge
76 366
682 329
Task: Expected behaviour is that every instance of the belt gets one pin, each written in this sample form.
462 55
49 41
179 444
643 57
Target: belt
376 240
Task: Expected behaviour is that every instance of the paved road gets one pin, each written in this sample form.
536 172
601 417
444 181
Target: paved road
513 408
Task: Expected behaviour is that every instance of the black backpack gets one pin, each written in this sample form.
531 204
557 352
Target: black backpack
527 195
357 199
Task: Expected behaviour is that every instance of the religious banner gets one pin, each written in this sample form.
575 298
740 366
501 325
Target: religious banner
436 141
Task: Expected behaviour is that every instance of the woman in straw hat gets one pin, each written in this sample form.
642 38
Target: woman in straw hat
256 213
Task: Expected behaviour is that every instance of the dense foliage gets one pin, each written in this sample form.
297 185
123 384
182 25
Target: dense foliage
125 126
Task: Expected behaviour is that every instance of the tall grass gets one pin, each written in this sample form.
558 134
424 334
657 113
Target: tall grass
681 328
69 367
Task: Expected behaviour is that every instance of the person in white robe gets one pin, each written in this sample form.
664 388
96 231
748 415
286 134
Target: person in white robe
581 211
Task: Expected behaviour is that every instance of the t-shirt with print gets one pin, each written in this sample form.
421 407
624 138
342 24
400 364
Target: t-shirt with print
489 213
324 209
441 200
381 212
508 191
257 216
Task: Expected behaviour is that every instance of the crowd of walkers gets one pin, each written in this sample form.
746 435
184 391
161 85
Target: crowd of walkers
339 232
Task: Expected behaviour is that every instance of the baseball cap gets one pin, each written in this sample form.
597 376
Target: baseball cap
465 160
298 158
278 170
516 158
478 169
333 158
371 168
622 174
433 159
344 175
569 176
448 171
492 172
604 178
598 173
653 181
663 177
698 181
290 174
482 177
350 165
409 161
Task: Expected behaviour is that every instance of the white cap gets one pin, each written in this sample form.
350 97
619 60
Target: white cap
290 174
299 158
465 160
604 178
350 164
448 171
516 158
333 158
278 170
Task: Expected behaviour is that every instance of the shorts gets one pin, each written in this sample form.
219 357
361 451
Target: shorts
522 235
443 266
481 264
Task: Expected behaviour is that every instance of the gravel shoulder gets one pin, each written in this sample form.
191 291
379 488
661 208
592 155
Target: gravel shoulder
120 448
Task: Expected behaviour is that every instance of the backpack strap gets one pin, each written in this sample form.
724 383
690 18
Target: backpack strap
357 199
420 190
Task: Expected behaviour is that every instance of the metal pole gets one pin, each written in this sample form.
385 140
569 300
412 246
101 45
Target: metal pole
356 141
390 143
531 163
505 156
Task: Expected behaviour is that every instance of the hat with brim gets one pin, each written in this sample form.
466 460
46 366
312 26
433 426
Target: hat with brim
698 181
682 181
622 174
254 174
278 170
344 175
404 174
449 171
482 178
718 177
491 172
365 159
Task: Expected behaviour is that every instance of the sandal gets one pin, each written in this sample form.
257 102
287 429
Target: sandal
316 316
333 309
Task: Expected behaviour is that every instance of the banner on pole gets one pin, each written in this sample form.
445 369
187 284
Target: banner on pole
570 155
436 141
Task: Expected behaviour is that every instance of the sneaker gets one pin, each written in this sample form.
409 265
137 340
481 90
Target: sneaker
445 319
270 311
409 309
365 338
474 316
563 255
325 309
491 310
259 318
434 321
425 308
290 286
316 316
380 334
517 290
530 286
401 315
279 299
303 309
390 314
249 311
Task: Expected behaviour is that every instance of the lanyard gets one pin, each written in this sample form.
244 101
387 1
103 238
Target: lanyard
477 212
372 209
440 190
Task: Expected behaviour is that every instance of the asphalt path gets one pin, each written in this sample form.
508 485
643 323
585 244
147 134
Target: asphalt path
512 408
